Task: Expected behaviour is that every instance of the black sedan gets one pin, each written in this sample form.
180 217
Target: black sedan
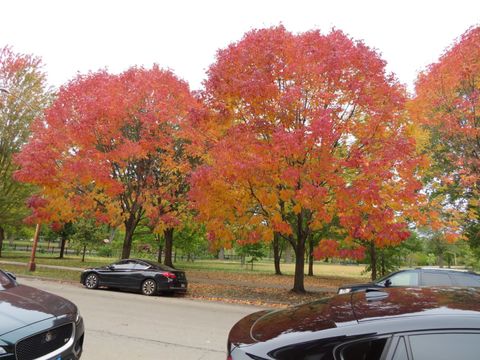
146 276
377 324
35 324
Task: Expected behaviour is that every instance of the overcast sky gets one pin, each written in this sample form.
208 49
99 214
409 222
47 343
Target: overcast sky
74 36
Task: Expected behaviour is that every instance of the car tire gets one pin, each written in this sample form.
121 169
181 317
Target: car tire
149 287
91 281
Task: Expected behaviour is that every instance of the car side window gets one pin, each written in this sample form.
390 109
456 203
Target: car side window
401 350
371 349
124 265
313 350
404 278
430 278
445 346
141 266
465 279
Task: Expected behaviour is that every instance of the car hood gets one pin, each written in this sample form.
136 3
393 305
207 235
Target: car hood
23 305
321 314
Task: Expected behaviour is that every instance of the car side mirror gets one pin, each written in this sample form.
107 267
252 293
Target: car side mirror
110 267
11 275
388 283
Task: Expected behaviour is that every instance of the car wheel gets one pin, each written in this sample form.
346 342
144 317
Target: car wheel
91 281
149 287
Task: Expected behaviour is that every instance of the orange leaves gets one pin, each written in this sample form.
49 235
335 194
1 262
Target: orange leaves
312 129
446 109
111 145
328 248
447 104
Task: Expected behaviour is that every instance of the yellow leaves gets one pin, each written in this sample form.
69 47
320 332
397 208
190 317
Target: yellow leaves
421 136
267 235
297 208
286 194
267 198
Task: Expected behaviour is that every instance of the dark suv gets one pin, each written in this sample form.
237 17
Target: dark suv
419 277
37 325
376 324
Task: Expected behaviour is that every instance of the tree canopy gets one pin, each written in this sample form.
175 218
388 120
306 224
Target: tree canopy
446 105
110 146
23 97
306 127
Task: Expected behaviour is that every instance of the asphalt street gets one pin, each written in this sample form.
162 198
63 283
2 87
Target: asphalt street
132 326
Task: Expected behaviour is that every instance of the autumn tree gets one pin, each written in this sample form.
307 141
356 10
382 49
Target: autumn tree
299 123
447 106
110 147
23 96
87 235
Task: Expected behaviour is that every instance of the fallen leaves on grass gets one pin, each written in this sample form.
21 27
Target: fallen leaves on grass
270 297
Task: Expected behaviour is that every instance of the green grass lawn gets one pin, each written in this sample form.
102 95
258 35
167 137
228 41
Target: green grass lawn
211 279
321 269
22 270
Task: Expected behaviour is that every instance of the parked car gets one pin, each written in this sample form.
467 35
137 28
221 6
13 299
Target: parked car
419 277
388 324
35 324
146 276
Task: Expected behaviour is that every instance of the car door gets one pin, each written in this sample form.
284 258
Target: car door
123 275
117 274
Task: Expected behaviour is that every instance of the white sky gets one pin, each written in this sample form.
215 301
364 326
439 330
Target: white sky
80 35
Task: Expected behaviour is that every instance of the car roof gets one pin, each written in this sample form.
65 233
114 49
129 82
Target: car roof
364 314
430 268
368 311
379 304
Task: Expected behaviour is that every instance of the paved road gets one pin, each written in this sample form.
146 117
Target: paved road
131 326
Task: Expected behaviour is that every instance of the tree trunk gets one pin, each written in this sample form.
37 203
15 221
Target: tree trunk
130 226
277 253
298 283
373 261
2 237
63 241
84 251
168 235
310 256
299 247
383 267
160 248
440 260
221 254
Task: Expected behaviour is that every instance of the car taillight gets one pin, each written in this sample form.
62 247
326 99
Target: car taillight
170 275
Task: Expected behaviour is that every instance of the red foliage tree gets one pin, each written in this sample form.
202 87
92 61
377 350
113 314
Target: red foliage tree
111 146
447 106
301 124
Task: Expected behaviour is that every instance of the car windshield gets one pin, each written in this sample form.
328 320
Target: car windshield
159 266
381 281
5 281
